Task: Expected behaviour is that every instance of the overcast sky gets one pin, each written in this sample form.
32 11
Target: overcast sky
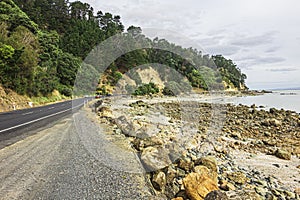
261 36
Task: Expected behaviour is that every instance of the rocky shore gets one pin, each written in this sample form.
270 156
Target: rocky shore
193 150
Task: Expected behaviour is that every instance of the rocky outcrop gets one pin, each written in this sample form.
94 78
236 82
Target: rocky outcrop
182 163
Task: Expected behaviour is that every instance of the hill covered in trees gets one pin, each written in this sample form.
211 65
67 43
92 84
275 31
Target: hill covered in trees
43 44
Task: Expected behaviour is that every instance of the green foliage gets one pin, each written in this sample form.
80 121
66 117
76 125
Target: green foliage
6 52
146 89
42 47
14 16
81 37
67 67
101 91
173 88
229 71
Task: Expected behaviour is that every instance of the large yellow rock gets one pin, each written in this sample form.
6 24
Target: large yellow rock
198 185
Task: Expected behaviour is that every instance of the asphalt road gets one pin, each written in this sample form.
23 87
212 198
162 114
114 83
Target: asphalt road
19 124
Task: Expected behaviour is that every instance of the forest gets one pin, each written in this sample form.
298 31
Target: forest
43 44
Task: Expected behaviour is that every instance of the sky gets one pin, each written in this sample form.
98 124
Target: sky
261 36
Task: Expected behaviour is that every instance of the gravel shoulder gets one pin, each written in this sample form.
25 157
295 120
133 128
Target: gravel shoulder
70 161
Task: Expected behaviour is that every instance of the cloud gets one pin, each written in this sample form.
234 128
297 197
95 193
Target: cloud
269 60
251 41
210 41
254 37
225 50
255 60
272 49
290 69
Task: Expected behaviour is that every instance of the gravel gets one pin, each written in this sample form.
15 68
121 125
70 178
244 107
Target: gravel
74 159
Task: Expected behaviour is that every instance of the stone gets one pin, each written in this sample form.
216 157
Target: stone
216 195
289 194
267 134
178 198
271 122
126 127
171 174
155 158
140 144
279 153
297 191
261 191
98 103
236 135
139 103
197 185
237 177
225 185
205 171
243 195
180 172
105 112
275 122
182 194
186 164
269 142
208 161
159 181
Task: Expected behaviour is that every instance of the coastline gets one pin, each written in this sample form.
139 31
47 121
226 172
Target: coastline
173 155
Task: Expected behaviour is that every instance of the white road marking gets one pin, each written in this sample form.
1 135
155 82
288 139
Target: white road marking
36 120
28 113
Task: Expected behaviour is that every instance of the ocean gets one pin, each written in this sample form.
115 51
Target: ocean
279 99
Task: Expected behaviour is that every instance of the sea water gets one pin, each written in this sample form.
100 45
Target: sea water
279 99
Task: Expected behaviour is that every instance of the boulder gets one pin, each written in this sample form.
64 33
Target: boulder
237 177
243 195
279 153
155 158
105 112
216 195
275 122
271 122
208 161
178 198
198 185
126 127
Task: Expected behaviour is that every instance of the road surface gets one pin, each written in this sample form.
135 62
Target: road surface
74 158
19 124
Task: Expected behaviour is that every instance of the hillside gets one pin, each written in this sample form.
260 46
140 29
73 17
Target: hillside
43 43
9 99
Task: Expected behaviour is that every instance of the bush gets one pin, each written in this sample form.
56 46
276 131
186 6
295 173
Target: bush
146 89
66 91
173 88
